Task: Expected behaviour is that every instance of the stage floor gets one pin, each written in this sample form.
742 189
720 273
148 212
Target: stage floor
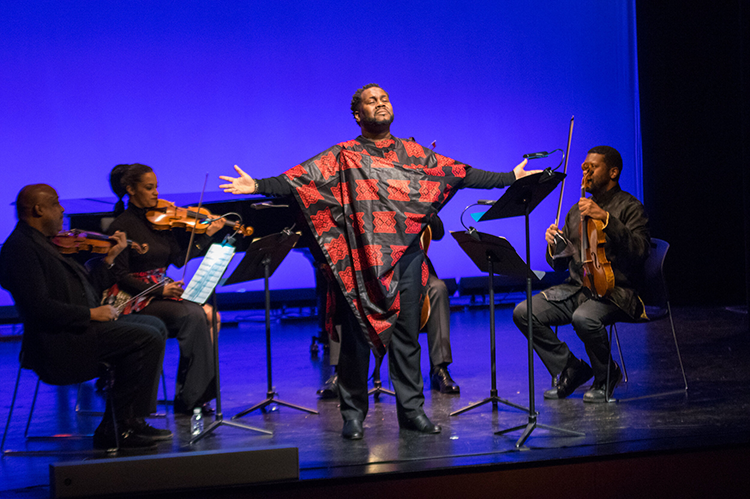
714 343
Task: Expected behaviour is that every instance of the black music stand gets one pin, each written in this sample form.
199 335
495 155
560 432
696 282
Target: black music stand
377 385
520 199
262 259
494 255
219 418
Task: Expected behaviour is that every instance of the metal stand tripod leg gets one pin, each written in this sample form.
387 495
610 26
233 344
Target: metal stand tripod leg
270 394
493 398
532 422
219 420
377 384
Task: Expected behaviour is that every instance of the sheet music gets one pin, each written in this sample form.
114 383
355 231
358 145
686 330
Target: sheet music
207 276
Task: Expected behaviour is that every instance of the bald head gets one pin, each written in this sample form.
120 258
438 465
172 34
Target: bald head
39 206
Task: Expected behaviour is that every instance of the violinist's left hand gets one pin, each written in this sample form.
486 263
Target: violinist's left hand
215 226
122 243
590 209
520 172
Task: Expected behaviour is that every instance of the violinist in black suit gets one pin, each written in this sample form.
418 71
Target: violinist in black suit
625 227
67 334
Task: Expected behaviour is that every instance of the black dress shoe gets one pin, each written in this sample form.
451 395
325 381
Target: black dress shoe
420 423
596 394
140 427
330 389
441 380
576 373
353 429
104 438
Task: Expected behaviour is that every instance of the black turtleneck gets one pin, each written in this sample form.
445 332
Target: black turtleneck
164 249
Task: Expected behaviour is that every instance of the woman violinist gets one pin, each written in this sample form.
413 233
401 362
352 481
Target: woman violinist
136 272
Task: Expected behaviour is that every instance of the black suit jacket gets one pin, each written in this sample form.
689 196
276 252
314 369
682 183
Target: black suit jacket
53 295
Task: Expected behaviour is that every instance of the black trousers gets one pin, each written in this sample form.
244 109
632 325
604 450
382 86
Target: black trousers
134 347
403 352
187 322
438 326
588 317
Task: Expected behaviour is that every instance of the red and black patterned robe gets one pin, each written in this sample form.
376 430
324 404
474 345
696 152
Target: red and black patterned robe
366 202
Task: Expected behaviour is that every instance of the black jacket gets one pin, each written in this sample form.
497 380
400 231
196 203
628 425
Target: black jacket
627 247
53 295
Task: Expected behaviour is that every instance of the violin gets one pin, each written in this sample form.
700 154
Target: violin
597 271
75 240
166 216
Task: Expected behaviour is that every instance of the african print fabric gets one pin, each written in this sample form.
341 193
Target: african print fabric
366 203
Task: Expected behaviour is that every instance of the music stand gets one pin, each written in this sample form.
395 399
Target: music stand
219 417
494 255
520 199
377 385
262 259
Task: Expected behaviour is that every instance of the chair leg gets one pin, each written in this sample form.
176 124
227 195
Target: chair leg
12 405
164 388
677 346
619 350
31 411
554 377
84 412
609 366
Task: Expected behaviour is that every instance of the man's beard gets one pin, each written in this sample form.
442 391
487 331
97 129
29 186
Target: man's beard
375 125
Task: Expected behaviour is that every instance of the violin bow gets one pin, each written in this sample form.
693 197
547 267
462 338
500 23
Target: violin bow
192 233
142 293
565 172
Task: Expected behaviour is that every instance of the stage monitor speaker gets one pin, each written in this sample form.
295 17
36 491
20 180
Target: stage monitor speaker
172 472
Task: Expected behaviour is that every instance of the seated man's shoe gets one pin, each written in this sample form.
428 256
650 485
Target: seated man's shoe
576 373
551 393
141 428
596 394
104 438
353 429
420 423
330 389
441 380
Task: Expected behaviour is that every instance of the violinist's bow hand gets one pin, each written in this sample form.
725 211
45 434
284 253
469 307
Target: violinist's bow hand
244 184
105 313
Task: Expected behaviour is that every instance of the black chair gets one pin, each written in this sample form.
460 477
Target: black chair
106 373
656 299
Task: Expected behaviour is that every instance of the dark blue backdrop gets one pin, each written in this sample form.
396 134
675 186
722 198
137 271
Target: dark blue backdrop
194 87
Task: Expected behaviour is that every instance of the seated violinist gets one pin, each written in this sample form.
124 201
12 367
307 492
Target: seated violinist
67 334
137 270
624 224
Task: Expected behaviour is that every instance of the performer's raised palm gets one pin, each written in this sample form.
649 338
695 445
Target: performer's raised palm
519 170
244 184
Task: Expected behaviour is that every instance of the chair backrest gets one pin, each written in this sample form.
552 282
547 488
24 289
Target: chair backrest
654 292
